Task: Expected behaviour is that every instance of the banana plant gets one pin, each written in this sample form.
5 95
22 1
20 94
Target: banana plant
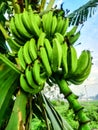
35 46
80 15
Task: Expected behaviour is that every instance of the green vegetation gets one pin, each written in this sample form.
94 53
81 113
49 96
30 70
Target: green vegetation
40 50
91 110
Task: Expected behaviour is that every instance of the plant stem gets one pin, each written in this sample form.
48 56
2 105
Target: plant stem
74 103
16 6
26 4
50 4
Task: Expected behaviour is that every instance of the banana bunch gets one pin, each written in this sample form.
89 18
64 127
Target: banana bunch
52 24
33 78
25 26
83 69
39 59
46 58
29 24
45 47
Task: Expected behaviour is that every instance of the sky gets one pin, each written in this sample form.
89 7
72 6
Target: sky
89 40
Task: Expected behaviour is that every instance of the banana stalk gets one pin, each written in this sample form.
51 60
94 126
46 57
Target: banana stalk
74 103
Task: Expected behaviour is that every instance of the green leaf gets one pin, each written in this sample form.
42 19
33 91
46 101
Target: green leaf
18 117
45 113
2 1
9 63
3 7
3 47
55 118
8 85
62 122
82 14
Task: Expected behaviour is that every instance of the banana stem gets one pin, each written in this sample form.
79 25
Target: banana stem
26 4
16 6
4 32
74 103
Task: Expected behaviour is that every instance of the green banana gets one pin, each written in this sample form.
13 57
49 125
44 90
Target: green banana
36 73
14 29
37 19
25 21
64 59
65 26
47 22
48 48
21 58
44 18
40 42
59 37
44 58
82 63
74 38
20 27
72 60
87 71
76 82
54 25
60 24
57 55
33 24
24 85
80 78
26 54
20 40
33 49
29 78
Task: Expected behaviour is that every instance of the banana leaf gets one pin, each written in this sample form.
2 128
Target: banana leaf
8 85
17 120
44 110
82 14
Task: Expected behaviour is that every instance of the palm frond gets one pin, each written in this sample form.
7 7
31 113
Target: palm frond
82 14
